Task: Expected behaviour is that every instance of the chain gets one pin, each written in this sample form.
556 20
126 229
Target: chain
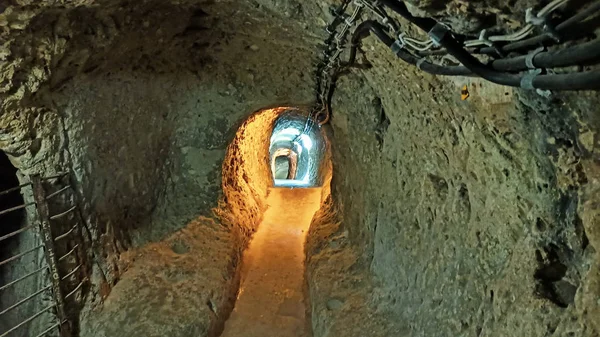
330 64
335 44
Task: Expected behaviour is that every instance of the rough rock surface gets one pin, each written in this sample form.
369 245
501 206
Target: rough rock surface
472 218
140 104
172 288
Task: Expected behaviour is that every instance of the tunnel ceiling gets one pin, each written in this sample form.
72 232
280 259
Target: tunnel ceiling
452 213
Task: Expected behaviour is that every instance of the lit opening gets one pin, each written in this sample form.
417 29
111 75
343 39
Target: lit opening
273 152
302 144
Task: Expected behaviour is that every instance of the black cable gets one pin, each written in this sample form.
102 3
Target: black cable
577 55
581 54
560 28
569 29
579 81
576 32
453 47
589 80
471 62
582 15
399 7
365 28
361 32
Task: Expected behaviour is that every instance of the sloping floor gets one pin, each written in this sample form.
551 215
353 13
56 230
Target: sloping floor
271 302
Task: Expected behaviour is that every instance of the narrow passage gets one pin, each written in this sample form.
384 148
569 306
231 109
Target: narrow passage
271 301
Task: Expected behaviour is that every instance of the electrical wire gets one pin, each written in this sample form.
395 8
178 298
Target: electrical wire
487 41
524 32
568 30
412 43
560 28
589 80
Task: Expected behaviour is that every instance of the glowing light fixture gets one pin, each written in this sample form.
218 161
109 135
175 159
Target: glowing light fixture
307 142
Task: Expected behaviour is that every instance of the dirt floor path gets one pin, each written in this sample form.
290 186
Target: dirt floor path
271 302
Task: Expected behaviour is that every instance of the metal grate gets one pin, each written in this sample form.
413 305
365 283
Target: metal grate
62 270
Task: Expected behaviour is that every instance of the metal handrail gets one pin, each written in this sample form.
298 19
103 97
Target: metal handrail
8 285
40 202
24 300
20 255
48 330
60 215
16 188
26 321
16 208
17 232
53 194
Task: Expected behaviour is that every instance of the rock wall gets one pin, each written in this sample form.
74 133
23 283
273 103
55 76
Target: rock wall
139 101
184 285
473 217
447 217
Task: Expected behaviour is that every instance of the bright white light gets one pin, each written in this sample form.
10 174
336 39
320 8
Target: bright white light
290 183
287 134
306 141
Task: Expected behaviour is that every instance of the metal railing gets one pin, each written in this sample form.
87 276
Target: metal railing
56 284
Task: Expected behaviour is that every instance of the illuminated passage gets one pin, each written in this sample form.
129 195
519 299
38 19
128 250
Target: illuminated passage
296 151
271 301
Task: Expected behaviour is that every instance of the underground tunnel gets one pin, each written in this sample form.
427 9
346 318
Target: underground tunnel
282 168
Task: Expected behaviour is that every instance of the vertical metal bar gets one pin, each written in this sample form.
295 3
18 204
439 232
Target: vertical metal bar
82 256
39 194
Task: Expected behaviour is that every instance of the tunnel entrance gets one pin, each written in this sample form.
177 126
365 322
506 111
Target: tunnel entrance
10 222
283 152
284 164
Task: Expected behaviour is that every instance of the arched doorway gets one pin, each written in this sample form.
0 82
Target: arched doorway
298 146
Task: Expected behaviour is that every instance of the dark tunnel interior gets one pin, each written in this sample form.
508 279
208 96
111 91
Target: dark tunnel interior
11 221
